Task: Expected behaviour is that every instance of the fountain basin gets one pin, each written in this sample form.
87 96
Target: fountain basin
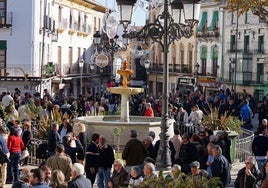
105 125
125 90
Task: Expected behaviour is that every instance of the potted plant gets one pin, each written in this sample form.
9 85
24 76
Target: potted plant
226 122
231 124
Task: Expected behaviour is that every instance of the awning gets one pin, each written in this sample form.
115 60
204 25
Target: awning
3 45
203 21
214 21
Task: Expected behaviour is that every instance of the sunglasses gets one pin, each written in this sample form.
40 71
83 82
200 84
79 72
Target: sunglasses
247 163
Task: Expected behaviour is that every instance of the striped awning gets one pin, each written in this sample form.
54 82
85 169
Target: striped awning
203 21
214 21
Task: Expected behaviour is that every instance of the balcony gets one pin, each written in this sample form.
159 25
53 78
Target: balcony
207 34
6 19
50 24
173 68
234 50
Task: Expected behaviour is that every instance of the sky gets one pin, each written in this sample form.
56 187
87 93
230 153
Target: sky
139 14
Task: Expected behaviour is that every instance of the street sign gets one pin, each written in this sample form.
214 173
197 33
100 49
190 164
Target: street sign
102 60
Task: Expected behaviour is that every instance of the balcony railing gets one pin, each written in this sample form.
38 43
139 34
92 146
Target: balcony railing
173 68
209 34
6 19
234 50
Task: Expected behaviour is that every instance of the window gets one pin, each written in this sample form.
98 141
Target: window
246 43
79 21
78 53
214 61
71 19
247 65
3 48
232 43
70 60
95 24
84 54
60 14
182 55
59 61
173 59
233 18
85 23
203 59
260 73
3 7
261 44
246 18
99 24
190 52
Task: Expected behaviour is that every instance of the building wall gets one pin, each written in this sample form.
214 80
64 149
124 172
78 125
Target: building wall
248 25
19 36
27 40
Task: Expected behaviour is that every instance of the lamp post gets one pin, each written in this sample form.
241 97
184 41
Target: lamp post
233 66
81 64
196 74
164 31
109 46
147 66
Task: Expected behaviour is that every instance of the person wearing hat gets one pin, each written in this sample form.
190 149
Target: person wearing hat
60 161
196 173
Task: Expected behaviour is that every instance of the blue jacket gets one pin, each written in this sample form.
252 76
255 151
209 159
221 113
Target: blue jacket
3 145
245 112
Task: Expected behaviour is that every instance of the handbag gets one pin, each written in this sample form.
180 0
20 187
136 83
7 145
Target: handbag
24 154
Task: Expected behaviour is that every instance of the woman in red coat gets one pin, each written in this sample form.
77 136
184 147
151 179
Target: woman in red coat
15 146
148 110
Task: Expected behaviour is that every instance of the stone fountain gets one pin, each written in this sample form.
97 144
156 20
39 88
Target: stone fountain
107 124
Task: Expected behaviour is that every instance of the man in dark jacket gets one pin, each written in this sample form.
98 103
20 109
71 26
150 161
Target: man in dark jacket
78 179
220 166
105 163
188 154
53 139
92 158
260 147
72 151
246 176
120 176
134 152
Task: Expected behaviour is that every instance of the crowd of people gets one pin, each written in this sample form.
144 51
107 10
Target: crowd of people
197 154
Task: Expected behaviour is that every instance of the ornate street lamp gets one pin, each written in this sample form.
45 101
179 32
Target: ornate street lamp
81 65
109 46
165 31
125 8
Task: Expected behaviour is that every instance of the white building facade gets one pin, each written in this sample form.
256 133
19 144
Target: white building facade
42 41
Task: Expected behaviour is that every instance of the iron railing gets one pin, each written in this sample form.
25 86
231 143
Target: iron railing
243 145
